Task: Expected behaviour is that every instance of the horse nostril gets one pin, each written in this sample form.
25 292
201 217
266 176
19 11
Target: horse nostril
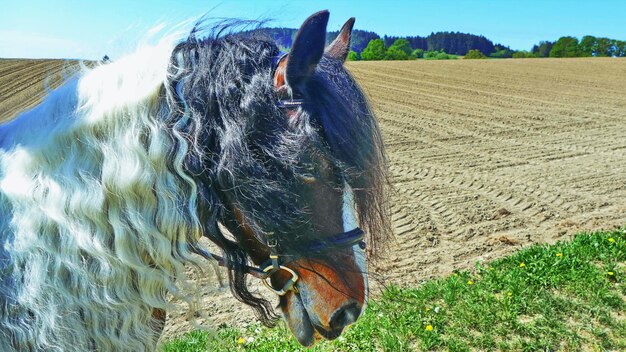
344 316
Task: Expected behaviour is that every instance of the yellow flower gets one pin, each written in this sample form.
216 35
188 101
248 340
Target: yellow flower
521 265
611 239
470 282
610 273
429 327
509 294
559 254
241 340
427 309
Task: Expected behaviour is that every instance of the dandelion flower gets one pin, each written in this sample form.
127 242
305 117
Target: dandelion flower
429 327
610 273
509 294
241 340
559 254
611 239
470 282
521 265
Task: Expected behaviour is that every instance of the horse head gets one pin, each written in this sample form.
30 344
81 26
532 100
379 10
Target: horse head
299 183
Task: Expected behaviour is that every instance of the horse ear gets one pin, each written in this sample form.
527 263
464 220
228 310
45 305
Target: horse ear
340 47
307 48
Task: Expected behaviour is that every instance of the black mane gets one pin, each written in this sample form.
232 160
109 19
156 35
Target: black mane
245 153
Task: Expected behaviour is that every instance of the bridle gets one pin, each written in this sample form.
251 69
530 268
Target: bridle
278 261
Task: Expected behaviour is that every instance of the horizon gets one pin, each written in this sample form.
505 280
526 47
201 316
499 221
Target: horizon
72 29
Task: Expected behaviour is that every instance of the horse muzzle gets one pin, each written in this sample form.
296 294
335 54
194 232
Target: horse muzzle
340 319
325 302
308 325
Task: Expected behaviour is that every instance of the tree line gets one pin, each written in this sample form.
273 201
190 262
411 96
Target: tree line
400 49
449 45
588 46
455 43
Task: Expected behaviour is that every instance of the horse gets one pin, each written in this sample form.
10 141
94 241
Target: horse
107 187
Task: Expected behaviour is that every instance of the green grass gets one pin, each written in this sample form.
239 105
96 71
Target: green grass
567 296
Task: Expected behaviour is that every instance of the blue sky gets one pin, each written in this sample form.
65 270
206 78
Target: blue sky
90 29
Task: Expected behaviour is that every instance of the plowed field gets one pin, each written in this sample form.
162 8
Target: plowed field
486 156
23 83
490 155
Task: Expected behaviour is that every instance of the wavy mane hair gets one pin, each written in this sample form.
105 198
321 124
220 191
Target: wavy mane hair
107 185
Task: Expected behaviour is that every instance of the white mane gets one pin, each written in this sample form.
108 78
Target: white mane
96 212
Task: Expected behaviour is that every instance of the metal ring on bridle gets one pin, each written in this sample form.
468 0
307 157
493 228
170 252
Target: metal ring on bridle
289 285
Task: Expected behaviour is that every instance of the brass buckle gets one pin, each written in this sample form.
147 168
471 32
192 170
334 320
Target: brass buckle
289 285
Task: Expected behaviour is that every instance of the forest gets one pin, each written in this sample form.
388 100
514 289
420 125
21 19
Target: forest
452 44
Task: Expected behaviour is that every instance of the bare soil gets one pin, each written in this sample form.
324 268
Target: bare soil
24 82
486 157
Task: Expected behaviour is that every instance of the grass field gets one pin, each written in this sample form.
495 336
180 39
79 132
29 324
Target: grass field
567 297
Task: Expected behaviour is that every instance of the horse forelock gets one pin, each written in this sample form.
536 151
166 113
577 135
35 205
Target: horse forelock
350 128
